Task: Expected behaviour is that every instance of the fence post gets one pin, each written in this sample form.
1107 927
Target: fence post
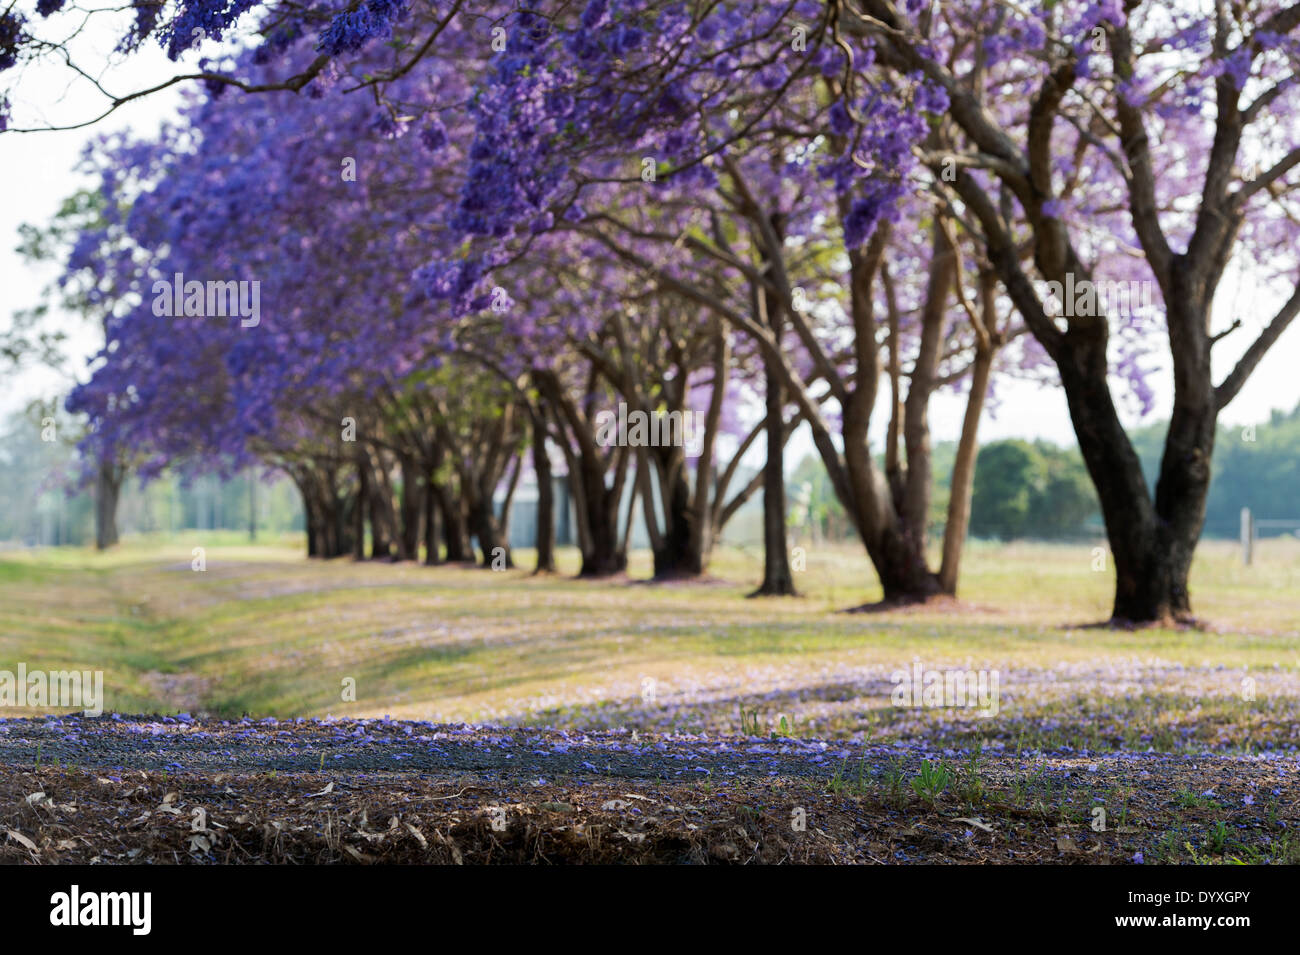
1247 536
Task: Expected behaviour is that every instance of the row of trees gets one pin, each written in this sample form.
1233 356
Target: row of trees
656 299
38 468
504 221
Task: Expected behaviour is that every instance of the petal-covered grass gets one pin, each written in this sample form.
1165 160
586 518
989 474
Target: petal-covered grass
1188 738
177 789
264 632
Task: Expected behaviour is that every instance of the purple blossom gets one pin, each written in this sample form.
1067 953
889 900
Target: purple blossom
12 36
350 31
838 118
433 136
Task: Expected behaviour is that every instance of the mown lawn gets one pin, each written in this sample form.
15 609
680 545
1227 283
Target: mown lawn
266 632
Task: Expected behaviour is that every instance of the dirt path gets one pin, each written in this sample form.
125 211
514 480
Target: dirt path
134 788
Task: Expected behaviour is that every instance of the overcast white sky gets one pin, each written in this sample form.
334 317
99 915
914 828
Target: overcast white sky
37 169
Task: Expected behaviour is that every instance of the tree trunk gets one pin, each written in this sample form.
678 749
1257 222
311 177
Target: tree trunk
918 481
778 580
357 513
345 503
431 555
898 558
409 540
379 505
313 512
963 473
507 505
252 507
676 556
1152 566
331 531
454 531
595 505
310 519
492 545
602 557
708 508
1151 545
108 487
545 500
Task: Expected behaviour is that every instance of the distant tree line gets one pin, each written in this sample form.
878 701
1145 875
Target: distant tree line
38 466
1022 489
1040 491
1256 466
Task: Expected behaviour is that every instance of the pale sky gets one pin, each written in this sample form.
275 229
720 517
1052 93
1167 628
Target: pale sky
38 167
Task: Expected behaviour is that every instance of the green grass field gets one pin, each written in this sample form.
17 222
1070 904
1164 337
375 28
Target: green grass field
1186 738
266 632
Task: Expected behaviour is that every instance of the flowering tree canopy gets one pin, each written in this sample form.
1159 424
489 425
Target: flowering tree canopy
671 205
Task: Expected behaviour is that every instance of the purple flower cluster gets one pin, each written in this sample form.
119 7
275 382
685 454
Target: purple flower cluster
350 31
199 20
12 36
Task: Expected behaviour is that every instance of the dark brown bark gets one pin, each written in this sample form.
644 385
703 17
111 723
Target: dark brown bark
379 506
311 520
454 526
545 498
914 513
601 554
709 509
595 504
1152 541
330 509
493 546
778 579
347 507
432 556
675 556
311 512
252 507
357 519
409 539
